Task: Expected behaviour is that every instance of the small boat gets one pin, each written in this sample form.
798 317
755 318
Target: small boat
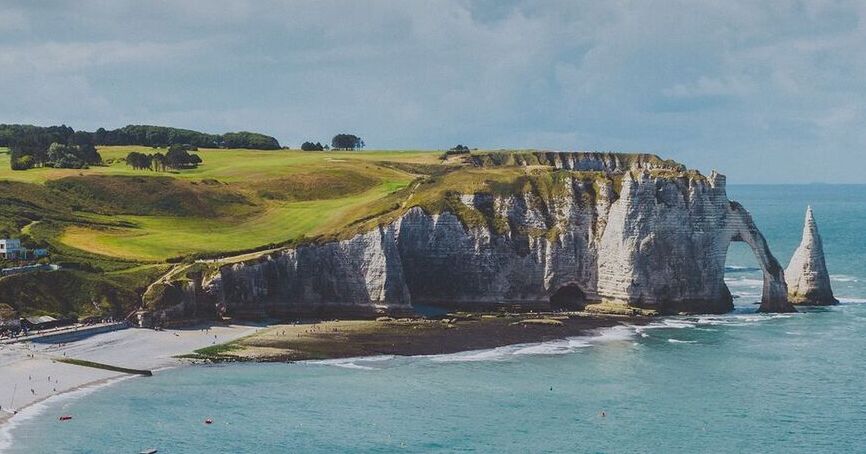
149 451
208 421
65 418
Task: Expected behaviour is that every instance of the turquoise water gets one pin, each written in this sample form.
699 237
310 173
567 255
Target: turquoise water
741 382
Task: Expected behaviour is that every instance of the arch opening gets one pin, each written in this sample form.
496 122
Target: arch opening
774 294
569 297
744 276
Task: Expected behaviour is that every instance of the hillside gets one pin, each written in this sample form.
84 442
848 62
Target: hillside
120 228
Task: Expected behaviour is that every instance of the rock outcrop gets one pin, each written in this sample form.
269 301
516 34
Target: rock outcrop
807 275
609 230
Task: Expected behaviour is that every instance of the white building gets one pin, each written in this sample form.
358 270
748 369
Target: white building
11 249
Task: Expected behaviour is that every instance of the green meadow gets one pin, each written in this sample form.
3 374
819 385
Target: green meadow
277 196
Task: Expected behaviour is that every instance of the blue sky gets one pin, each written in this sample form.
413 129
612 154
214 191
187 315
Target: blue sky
763 91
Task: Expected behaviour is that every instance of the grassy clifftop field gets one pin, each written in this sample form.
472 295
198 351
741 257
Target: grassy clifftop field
115 230
236 200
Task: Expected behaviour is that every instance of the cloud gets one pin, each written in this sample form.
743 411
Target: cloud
715 84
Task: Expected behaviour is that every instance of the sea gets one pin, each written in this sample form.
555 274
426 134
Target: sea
735 383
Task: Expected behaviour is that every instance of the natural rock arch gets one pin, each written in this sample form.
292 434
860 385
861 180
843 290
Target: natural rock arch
741 227
568 297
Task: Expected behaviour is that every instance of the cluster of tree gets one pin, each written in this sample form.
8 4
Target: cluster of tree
310 146
70 156
459 149
56 146
141 161
177 157
29 144
346 142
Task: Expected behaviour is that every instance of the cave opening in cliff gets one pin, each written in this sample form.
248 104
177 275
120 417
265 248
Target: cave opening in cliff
568 297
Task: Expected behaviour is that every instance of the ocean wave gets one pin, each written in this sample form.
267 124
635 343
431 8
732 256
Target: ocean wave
848 299
352 363
740 269
554 347
677 341
38 408
701 321
844 278
747 294
744 281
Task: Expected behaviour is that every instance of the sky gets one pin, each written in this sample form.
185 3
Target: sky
763 91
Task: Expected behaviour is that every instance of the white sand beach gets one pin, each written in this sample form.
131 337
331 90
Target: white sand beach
29 373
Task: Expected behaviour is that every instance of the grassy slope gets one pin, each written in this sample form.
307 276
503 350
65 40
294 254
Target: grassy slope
283 186
113 227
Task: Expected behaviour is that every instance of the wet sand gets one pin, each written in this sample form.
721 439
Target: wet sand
458 332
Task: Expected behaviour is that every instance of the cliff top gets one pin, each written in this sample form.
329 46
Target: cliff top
117 228
575 160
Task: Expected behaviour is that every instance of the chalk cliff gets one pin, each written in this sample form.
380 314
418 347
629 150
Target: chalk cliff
614 232
807 276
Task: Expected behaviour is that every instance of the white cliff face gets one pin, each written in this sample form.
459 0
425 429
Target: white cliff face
666 242
658 243
807 276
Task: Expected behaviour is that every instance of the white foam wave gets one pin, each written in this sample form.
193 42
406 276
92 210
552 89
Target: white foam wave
352 363
744 281
38 408
677 341
740 269
848 299
843 278
747 294
555 347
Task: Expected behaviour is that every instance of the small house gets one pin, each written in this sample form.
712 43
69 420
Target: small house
43 322
11 249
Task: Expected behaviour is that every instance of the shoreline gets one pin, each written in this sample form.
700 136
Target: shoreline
457 332
329 340
31 374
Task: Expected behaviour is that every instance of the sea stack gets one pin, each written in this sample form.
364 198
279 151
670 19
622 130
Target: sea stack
807 276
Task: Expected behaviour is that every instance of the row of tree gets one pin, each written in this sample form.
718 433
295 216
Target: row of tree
30 144
177 157
339 142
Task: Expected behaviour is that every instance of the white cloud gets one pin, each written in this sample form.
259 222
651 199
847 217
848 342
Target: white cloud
711 83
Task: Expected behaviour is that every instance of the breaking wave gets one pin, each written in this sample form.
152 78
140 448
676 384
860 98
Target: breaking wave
848 299
555 347
353 363
741 269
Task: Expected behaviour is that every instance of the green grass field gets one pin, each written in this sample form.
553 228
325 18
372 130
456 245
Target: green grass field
288 194
228 165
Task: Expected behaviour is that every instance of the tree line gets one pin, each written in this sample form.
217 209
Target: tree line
30 144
